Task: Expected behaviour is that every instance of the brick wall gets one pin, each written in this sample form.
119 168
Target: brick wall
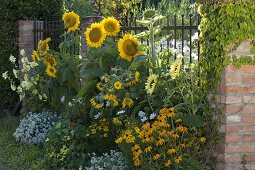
237 96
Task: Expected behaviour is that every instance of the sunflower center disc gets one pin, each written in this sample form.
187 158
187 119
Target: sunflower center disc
52 70
50 61
95 35
129 47
110 27
70 22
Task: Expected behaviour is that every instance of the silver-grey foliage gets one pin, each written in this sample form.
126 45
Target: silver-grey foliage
34 127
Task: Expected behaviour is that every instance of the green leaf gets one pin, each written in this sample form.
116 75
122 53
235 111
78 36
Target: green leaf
144 22
88 87
193 120
66 74
58 125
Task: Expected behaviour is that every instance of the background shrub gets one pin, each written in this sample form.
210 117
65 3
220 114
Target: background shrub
10 12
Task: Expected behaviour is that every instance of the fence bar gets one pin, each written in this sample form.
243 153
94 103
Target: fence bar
198 43
182 37
190 39
167 32
175 39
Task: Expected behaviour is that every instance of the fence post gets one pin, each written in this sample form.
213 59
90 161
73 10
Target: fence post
26 36
237 96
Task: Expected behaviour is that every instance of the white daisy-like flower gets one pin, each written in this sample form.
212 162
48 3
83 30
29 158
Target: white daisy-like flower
120 112
144 119
97 115
141 114
152 116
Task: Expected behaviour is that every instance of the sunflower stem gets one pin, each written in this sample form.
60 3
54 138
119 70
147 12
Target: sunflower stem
153 56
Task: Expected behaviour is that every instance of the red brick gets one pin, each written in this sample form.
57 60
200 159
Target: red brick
239 128
250 166
249 99
248 89
242 69
249 138
232 138
240 149
234 99
247 109
248 78
232 78
230 108
250 157
248 118
231 88
231 158
234 167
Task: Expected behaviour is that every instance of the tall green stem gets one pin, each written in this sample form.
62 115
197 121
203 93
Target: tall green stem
153 57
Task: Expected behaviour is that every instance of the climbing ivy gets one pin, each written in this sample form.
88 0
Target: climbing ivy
223 25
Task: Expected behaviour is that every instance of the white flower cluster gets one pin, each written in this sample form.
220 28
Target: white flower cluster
143 116
74 102
28 83
34 127
113 161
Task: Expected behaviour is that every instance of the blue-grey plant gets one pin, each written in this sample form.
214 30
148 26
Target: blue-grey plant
112 161
34 127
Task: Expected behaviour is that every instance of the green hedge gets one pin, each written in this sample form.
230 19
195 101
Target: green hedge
10 12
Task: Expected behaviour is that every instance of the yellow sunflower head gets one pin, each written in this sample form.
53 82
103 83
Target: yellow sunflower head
127 102
151 83
127 47
71 20
50 61
51 71
35 56
95 35
118 85
111 26
175 68
43 46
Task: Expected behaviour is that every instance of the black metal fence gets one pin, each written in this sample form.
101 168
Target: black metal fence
182 35
179 32
45 29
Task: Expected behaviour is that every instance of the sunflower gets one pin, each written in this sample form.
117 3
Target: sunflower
135 80
99 86
71 20
112 98
95 104
35 56
175 68
111 26
127 47
95 35
43 46
51 71
116 121
50 61
137 76
118 85
127 102
151 83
